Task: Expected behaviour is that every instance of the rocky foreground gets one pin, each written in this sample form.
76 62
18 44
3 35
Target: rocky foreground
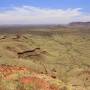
21 78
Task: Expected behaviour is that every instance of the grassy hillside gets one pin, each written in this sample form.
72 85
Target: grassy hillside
61 54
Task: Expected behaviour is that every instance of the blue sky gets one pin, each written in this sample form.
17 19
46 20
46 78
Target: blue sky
85 4
6 7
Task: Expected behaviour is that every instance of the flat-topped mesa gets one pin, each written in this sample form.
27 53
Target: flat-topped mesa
28 53
80 24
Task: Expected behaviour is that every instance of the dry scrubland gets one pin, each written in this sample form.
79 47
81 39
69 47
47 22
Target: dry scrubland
61 56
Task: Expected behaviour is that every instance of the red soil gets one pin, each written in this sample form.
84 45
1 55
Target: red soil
38 83
34 80
7 70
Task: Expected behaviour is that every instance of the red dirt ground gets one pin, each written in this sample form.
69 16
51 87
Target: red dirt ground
7 70
36 81
40 83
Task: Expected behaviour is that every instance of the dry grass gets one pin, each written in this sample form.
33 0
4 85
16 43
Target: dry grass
67 53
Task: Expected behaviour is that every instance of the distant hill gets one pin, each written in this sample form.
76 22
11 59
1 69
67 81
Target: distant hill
80 24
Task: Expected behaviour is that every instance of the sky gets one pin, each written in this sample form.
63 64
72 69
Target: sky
44 11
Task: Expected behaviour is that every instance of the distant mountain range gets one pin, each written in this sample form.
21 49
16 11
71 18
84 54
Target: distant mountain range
77 24
24 28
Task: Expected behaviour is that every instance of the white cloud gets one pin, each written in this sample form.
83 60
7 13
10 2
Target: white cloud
35 15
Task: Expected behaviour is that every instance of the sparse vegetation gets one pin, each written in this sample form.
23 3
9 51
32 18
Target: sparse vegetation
57 53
